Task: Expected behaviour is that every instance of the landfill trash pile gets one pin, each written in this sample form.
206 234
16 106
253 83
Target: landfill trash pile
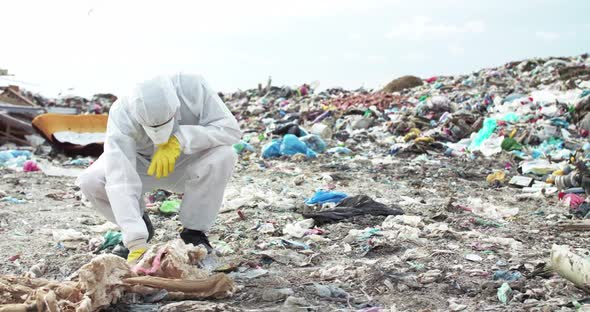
446 193
97 104
19 107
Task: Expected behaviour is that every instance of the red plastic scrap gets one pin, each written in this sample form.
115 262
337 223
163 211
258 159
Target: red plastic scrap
431 79
315 231
156 264
241 214
380 100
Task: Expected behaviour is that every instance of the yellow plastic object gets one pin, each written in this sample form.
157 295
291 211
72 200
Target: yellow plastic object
513 133
412 134
135 254
424 140
558 172
165 158
498 176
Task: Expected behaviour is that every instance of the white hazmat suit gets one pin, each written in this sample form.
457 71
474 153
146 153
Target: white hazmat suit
181 105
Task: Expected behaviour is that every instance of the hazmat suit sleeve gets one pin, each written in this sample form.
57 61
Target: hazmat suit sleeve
217 125
123 185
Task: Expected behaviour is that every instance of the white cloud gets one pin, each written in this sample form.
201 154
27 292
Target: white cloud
548 35
422 27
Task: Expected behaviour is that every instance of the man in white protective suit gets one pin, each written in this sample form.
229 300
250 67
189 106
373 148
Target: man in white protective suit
171 132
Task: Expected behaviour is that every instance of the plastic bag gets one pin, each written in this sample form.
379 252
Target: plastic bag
14 158
272 149
322 197
170 207
243 146
489 125
291 145
491 145
314 142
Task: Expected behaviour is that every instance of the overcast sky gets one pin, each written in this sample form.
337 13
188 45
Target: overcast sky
106 46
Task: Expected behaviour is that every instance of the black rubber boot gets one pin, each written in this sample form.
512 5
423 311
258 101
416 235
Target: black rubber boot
196 238
122 251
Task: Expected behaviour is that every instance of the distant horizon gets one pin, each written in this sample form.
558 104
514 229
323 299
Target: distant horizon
34 89
89 47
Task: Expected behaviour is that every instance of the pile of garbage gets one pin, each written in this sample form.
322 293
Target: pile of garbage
452 193
19 108
535 112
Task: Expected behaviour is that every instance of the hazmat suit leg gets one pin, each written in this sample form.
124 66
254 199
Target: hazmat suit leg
202 177
92 184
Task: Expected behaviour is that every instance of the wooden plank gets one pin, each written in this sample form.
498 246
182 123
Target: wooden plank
573 227
15 122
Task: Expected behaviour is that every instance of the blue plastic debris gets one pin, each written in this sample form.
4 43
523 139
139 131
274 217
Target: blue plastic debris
241 147
291 145
272 149
288 146
339 150
14 158
13 200
295 244
322 197
314 142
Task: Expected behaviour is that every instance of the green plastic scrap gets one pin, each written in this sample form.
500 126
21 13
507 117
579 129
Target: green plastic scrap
170 206
416 266
239 147
510 144
504 293
111 239
483 222
577 305
368 233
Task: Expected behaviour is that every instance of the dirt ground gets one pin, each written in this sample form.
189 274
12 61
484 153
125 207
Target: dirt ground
429 274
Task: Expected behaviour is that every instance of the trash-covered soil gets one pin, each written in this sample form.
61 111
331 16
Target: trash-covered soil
448 196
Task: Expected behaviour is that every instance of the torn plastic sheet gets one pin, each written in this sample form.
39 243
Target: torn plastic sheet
106 278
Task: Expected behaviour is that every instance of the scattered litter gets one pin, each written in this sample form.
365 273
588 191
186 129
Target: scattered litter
473 258
287 257
504 293
353 206
111 239
12 200
64 235
322 197
170 207
509 276
521 181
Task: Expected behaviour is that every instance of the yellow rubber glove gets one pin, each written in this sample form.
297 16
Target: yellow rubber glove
165 158
135 255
